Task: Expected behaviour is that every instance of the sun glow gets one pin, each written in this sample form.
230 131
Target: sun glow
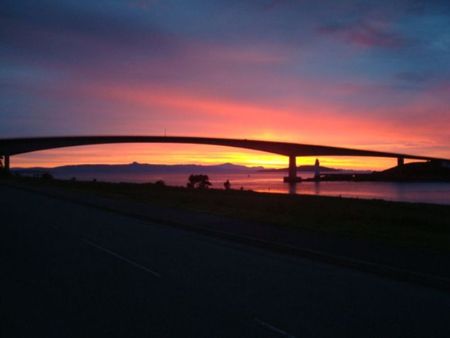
183 154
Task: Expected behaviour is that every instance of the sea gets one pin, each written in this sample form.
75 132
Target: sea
272 182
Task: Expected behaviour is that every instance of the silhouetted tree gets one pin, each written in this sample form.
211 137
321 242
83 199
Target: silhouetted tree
47 176
227 185
198 182
160 183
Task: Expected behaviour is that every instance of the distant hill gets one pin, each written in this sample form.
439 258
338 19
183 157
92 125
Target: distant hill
139 168
410 172
143 168
417 171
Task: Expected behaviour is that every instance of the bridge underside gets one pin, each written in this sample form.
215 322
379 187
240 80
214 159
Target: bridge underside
15 146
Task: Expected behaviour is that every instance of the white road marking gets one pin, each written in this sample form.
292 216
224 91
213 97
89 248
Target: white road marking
273 328
112 253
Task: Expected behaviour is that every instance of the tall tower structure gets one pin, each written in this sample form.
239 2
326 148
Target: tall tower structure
317 169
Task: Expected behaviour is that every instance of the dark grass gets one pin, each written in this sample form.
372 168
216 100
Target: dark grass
402 224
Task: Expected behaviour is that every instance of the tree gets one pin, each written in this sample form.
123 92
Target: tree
198 182
160 184
227 185
47 176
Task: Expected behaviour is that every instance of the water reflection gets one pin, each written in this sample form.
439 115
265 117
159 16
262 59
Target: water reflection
273 182
292 188
317 187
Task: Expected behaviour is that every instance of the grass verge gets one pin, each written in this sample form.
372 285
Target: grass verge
402 224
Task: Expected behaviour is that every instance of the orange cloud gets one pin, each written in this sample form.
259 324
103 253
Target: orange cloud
191 113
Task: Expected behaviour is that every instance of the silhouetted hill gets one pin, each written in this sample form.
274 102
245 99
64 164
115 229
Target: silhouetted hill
417 171
139 168
142 168
411 172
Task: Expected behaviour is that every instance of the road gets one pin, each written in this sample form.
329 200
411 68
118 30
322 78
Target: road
69 270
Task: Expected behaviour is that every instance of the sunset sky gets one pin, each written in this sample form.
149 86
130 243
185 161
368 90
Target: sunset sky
361 74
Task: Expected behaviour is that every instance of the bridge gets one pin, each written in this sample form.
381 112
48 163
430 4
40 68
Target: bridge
14 146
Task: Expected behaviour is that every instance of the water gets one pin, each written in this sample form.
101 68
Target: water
426 192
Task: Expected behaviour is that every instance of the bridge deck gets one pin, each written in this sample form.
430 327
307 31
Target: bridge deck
14 146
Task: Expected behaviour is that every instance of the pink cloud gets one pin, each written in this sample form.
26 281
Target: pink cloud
308 122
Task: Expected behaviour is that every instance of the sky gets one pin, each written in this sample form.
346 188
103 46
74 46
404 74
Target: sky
361 74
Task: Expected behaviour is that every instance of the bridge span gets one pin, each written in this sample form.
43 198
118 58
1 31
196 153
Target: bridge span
14 146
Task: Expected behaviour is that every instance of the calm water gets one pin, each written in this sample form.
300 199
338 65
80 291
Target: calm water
438 193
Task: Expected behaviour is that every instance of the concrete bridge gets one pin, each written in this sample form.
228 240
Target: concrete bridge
14 146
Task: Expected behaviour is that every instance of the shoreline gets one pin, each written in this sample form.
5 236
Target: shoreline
428 192
404 224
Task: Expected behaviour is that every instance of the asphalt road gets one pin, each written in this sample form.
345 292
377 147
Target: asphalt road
74 271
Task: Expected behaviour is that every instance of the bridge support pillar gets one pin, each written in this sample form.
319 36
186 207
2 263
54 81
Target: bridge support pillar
292 171
6 163
400 161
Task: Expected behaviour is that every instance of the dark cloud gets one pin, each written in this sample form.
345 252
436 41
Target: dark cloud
415 77
64 29
365 35
63 17
422 7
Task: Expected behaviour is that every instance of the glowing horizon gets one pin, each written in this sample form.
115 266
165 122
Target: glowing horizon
184 154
